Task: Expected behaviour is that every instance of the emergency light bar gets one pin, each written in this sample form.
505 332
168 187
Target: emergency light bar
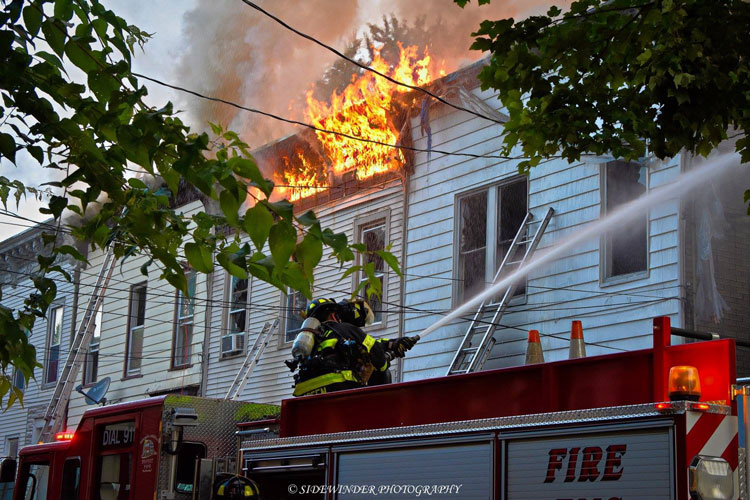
64 436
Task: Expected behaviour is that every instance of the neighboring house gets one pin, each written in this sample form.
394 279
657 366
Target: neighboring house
448 219
21 425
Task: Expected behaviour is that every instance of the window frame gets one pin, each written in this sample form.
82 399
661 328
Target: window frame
284 313
127 373
491 236
180 321
605 278
227 315
48 344
361 224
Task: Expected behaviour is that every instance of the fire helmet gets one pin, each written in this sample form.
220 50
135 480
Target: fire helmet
236 488
321 308
357 312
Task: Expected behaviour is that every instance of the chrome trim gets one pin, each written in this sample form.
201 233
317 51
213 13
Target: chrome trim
486 424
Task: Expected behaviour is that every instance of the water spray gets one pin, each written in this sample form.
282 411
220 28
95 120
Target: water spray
622 215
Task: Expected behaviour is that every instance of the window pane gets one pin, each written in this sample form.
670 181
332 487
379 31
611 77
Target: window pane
472 244
183 343
54 335
626 246
138 305
295 305
114 477
136 350
238 309
36 486
373 237
56 320
71 479
512 208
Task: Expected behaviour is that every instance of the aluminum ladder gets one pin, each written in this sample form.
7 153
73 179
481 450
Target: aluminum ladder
251 360
79 346
479 339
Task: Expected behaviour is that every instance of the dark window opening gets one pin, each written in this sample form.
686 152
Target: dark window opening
71 479
512 210
188 455
296 303
626 247
472 245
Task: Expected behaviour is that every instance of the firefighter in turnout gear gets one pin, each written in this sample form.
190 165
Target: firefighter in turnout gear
333 353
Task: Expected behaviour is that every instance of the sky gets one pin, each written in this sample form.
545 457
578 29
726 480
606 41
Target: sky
225 48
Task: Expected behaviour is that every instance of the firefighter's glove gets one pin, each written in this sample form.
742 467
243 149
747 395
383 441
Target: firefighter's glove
400 346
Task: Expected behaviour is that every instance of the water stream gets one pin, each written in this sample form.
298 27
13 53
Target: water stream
712 169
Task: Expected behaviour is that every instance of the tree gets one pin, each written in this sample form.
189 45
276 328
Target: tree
622 76
94 125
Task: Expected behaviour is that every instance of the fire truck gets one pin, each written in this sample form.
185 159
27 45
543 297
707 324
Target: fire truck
658 423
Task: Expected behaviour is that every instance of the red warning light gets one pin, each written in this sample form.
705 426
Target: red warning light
664 406
64 436
700 406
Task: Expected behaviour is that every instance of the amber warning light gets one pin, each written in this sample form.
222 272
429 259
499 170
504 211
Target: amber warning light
684 383
64 436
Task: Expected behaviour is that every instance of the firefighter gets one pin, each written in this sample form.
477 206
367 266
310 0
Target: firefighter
342 356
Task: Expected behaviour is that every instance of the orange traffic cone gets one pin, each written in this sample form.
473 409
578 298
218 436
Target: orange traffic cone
577 345
534 352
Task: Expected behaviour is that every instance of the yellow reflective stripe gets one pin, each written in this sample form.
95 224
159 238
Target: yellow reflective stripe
327 343
249 491
384 367
368 342
221 490
323 380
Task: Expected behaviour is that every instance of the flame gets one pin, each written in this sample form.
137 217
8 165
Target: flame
364 109
302 180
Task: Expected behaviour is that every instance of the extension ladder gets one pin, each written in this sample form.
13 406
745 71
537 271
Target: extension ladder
251 360
478 341
79 346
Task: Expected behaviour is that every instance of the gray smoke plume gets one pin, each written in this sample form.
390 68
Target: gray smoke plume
239 54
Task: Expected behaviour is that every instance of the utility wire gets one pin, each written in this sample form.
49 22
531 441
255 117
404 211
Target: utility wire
318 129
365 67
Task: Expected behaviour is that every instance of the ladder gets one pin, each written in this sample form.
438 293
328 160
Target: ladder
251 360
478 341
79 346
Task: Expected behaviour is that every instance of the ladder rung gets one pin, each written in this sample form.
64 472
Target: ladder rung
513 262
469 350
458 372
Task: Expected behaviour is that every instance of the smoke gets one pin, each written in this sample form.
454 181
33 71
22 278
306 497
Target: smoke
237 53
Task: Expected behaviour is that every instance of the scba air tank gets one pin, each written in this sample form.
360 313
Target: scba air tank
305 340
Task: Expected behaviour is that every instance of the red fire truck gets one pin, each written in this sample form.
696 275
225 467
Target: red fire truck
601 427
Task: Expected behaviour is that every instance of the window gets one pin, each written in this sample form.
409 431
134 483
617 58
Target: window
34 479
137 313
71 479
11 447
91 364
233 337
487 222
185 469
295 304
54 335
373 236
19 382
183 333
625 249
114 477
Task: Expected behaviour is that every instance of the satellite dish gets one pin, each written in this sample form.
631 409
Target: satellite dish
96 393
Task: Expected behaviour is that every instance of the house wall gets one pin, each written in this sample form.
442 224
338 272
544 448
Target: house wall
271 380
615 315
18 256
156 375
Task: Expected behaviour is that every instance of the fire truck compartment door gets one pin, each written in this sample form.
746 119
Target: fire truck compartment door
411 472
625 464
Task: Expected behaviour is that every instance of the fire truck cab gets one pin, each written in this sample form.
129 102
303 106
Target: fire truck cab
142 449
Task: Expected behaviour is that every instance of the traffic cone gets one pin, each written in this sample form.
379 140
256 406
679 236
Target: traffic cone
577 345
534 352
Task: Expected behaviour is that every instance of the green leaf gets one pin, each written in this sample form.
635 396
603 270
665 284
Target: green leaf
37 153
283 209
247 168
8 146
55 34
233 263
391 260
308 253
72 251
80 57
308 218
229 207
64 9
294 277
32 18
282 240
199 257
257 224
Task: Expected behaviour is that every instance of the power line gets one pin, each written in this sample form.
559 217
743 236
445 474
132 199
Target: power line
319 129
365 67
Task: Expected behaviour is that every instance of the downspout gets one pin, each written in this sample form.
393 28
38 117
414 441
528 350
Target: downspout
73 321
402 286
206 355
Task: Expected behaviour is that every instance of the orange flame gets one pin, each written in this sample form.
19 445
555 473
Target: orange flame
364 109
